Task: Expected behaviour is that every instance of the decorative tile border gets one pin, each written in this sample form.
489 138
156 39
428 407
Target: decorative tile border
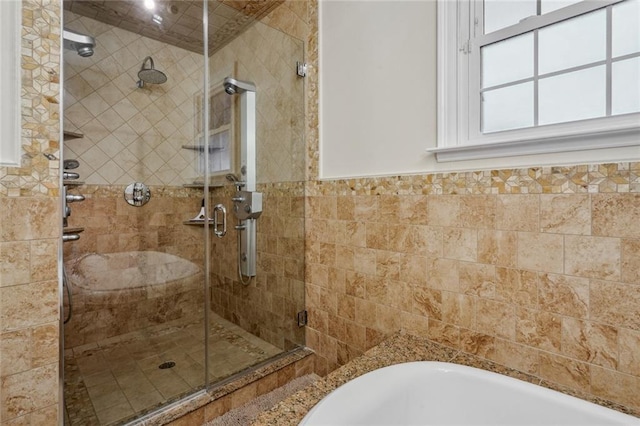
37 175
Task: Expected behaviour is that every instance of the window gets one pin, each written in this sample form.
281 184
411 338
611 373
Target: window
10 16
537 76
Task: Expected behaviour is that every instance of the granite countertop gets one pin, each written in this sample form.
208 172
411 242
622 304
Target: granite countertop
399 348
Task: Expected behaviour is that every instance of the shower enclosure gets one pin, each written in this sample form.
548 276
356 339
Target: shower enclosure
157 302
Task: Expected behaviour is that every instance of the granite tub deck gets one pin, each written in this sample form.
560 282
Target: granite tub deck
399 348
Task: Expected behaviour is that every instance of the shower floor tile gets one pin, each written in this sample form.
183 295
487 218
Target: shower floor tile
119 379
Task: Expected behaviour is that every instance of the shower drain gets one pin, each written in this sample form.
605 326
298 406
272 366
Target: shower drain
165 365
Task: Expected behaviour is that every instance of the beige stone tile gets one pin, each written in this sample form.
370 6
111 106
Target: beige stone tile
517 356
45 346
478 211
388 264
114 413
15 347
496 318
28 304
365 208
630 262
364 260
477 279
590 342
443 274
614 304
415 324
443 210
458 309
478 344
615 386
460 244
564 295
15 259
565 213
413 269
427 302
539 329
517 286
388 319
497 247
540 252
616 215
377 235
592 257
518 212
446 334
629 351
29 391
413 209
564 371
44 260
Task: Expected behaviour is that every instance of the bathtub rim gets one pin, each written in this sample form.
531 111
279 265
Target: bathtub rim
446 367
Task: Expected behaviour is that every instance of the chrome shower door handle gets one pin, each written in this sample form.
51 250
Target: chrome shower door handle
219 210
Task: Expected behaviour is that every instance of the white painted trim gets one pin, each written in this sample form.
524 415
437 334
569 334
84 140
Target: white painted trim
572 143
10 83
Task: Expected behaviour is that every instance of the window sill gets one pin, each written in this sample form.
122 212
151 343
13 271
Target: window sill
572 143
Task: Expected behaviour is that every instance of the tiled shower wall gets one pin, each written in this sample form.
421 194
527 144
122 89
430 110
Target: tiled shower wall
266 54
29 229
537 269
131 134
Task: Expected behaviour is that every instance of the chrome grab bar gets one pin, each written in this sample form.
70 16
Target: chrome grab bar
219 208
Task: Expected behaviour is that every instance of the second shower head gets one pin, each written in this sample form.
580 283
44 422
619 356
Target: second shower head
150 75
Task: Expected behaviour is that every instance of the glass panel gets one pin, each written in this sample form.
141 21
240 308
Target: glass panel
507 61
503 13
625 87
507 108
574 42
551 5
625 22
573 96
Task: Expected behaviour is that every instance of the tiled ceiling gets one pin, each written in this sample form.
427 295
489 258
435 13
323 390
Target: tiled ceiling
181 24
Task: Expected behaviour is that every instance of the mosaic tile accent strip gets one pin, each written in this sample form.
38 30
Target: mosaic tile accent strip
38 176
593 178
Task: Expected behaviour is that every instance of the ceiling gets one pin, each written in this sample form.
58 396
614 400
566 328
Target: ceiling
181 20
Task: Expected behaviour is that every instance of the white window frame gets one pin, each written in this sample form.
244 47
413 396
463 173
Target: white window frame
10 84
459 136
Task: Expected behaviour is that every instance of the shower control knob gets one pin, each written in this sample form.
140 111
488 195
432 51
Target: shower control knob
70 237
247 209
237 199
73 198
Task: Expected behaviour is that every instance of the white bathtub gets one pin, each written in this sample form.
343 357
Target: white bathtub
437 393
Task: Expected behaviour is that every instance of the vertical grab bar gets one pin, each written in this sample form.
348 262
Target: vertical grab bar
219 208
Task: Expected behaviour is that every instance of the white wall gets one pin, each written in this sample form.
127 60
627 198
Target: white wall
378 87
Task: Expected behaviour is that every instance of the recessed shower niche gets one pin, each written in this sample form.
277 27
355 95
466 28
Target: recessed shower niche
142 288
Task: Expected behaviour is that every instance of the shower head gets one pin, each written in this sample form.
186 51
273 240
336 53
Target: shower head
81 43
150 75
233 86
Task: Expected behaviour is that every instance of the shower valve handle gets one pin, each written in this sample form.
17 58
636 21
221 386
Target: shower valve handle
70 198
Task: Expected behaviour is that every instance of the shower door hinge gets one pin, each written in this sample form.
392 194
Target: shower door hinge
303 318
301 69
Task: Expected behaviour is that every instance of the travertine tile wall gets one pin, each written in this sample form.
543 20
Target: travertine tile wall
537 269
266 54
29 229
266 307
113 226
131 134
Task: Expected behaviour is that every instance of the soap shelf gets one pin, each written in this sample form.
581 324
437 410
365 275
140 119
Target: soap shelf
197 222
68 135
201 148
72 230
201 185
